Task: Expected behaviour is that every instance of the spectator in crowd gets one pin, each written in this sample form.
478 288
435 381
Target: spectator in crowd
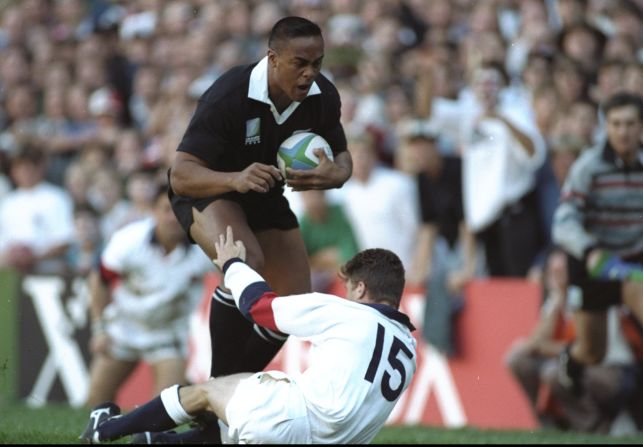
500 157
583 44
328 237
140 190
598 224
564 151
570 80
582 121
501 151
129 153
633 77
444 258
377 193
36 220
106 196
21 115
147 284
528 358
83 253
608 386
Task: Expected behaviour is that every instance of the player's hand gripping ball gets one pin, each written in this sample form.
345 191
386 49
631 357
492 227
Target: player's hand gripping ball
297 152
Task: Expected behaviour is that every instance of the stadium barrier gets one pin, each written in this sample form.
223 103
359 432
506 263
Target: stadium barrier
44 357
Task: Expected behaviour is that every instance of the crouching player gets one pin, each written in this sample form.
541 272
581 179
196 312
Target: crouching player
362 358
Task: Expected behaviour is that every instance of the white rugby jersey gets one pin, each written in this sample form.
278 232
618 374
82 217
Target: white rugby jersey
362 357
153 292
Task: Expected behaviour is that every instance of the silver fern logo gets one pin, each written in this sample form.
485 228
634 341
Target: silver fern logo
253 129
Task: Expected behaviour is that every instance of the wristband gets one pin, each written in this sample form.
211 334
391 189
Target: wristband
611 267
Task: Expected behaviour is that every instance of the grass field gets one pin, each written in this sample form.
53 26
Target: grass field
60 424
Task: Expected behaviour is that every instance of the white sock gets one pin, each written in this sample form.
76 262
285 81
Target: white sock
170 399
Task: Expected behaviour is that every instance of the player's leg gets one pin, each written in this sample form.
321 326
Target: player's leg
525 366
106 376
287 271
591 337
228 328
167 372
174 406
212 395
592 298
286 261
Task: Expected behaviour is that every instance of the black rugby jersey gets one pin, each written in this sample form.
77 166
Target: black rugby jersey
235 123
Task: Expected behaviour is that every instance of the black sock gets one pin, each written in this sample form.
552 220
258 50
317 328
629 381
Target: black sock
258 353
149 417
228 331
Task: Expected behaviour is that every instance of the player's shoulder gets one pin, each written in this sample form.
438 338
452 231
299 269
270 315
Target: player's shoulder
591 159
326 87
134 234
231 85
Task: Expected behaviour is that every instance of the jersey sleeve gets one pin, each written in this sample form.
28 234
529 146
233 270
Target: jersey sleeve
332 130
293 314
208 134
568 229
113 259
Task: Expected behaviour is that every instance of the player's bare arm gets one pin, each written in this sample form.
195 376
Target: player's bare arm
326 175
191 177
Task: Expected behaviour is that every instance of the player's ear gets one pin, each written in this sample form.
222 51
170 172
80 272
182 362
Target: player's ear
272 58
360 289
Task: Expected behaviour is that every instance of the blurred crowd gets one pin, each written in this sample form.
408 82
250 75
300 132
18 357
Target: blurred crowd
95 96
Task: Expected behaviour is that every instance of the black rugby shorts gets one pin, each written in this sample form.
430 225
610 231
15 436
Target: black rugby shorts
263 211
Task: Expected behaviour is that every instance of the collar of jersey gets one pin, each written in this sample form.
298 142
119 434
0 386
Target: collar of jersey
258 90
609 155
391 313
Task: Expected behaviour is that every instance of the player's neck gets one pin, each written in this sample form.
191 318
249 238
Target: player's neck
278 97
281 102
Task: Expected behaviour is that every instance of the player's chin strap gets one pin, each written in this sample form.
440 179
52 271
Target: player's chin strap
170 399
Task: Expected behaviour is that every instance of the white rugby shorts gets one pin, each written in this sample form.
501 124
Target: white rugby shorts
269 408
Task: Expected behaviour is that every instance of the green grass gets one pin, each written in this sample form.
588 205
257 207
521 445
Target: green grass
60 424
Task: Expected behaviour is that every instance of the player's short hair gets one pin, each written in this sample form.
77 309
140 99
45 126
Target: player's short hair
381 271
624 99
289 28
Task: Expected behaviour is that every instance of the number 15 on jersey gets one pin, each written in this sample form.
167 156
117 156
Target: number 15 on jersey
397 347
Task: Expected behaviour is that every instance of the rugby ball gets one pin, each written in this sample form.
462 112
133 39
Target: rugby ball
297 151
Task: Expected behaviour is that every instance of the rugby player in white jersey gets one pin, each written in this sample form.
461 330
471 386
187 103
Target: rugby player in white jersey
362 358
148 283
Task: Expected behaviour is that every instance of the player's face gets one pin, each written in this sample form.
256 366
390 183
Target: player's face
295 65
624 130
